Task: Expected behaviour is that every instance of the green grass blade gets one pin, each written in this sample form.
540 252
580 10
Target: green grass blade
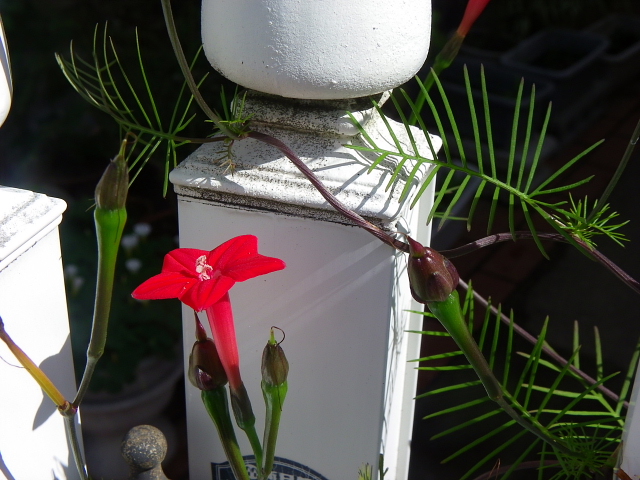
474 203
459 386
514 133
454 201
564 168
538 152
492 211
527 138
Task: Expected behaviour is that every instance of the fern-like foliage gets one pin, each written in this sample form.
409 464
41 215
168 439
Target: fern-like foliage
554 395
518 184
105 84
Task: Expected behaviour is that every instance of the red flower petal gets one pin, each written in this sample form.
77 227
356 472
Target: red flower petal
259 265
236 249
182 260
200 284
203 294
163 285
239 259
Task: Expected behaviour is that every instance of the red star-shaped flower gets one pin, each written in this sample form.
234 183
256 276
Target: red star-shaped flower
200 278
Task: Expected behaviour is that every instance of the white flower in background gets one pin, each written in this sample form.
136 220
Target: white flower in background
6 85
71 270
76 284
142 229
133 265
130 241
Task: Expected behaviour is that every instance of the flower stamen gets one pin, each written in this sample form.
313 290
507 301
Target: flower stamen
202 268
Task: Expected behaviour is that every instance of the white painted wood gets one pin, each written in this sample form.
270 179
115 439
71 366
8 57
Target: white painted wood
342 300
6 87
33 442
631 437
320 49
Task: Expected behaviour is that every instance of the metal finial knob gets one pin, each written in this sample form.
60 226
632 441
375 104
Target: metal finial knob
144 448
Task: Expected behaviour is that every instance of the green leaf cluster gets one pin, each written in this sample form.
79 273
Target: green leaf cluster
559 396
525 187
105 84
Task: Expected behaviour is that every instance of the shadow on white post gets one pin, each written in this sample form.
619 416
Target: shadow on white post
33 443
344 297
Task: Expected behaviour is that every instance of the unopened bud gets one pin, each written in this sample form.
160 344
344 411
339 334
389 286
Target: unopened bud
275 366
111 191
432 277
241 406
205 368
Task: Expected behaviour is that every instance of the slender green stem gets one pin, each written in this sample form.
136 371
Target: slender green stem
186 71
72 435
38 375
217 405
246 420
449 314
274 396
254 440
66 409
109 227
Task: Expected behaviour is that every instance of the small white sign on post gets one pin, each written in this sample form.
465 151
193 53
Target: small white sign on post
33 443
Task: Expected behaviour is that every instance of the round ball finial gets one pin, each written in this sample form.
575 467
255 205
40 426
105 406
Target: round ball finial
144 448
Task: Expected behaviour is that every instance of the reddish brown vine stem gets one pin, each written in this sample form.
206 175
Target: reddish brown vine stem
456 252
402 246
556 237
327 195
533 340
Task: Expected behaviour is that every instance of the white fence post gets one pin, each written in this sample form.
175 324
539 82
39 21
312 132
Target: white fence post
343 299
33 443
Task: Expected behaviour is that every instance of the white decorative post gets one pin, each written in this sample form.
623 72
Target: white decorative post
343 299
33 443
631 437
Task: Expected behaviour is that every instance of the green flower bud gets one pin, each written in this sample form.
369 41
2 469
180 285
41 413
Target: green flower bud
432 277
275 366
111 191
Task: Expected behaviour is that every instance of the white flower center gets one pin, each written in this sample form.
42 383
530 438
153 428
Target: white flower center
202 268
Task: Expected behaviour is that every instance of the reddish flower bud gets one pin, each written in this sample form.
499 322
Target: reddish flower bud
275 366
205 368
432 277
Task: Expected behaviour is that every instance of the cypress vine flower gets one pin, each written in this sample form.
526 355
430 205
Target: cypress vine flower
202 280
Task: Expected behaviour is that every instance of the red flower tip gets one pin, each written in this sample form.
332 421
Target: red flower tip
471 14
200 278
